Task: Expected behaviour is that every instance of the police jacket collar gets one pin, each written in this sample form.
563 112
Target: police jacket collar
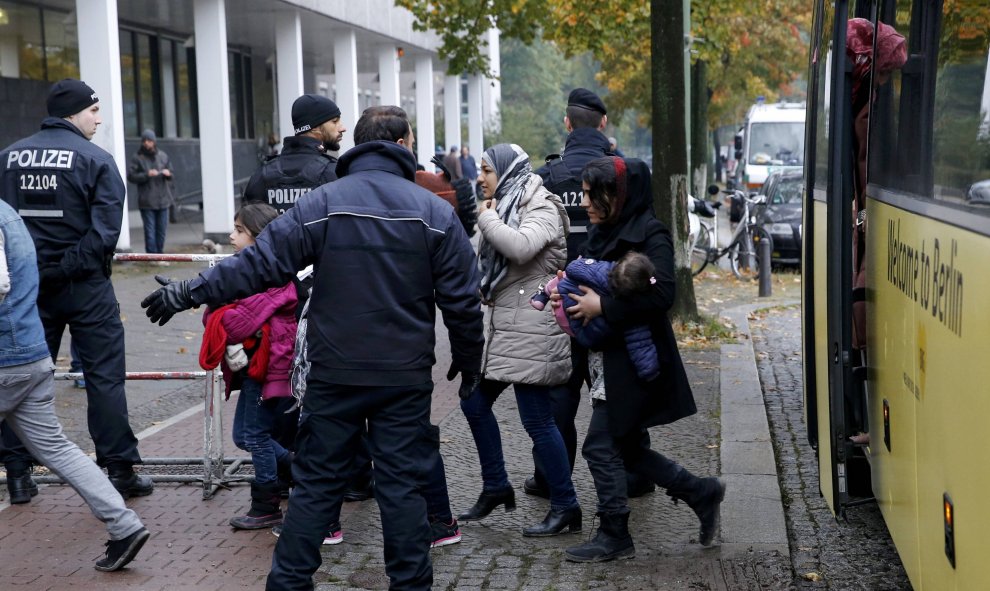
58 122
585 139
301 143
378 155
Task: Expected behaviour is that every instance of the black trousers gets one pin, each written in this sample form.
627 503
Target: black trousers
404 447
90 309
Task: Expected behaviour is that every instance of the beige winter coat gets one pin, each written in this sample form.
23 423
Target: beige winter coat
524 345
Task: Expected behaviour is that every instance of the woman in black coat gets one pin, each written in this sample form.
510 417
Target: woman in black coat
619 202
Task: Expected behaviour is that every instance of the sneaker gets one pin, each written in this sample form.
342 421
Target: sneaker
334 535
444 534
121 552
81 384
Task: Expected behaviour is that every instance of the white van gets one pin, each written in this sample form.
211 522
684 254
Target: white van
772 137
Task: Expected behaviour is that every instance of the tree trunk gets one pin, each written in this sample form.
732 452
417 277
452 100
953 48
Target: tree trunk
701 155
670 144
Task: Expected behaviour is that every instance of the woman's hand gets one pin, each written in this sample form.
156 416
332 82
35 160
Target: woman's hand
487 204
588 306
556 300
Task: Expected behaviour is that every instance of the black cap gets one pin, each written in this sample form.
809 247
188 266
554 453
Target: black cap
69 96
312 110
584 98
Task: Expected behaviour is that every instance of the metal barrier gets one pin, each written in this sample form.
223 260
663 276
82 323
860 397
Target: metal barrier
217 471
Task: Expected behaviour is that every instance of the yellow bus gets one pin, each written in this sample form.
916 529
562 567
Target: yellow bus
897 350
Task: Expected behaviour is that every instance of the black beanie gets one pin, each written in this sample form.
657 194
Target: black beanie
311 110
584 98
69 96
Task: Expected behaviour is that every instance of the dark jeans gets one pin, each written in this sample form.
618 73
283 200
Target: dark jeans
403 447
608 457
89 308
155 224
254 423
537 419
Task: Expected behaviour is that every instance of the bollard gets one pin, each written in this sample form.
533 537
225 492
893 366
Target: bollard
763 255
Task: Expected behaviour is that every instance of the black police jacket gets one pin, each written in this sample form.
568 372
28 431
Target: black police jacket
69 193
282 180
562 176
386 254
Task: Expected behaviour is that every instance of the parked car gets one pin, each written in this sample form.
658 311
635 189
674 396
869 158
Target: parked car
781 214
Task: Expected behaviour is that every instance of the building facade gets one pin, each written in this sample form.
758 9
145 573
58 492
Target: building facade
215 79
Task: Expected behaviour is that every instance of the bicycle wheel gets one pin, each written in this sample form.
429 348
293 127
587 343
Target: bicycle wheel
743 258
701 253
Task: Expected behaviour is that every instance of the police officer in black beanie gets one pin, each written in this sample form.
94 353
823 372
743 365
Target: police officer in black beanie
585 120
71 197
305 162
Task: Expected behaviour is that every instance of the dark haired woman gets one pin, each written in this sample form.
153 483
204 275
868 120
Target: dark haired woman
619 201
523 243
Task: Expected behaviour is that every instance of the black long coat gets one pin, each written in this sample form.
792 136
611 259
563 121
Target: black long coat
632 402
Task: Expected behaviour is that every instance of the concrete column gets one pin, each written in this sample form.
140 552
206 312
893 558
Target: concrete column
168 94
10 58
388 75
476 126
451 111
425 133
99 59
288 67
346 81
493 87
210 27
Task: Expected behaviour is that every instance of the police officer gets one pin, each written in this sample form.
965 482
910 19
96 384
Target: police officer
71 196
305 162
585 120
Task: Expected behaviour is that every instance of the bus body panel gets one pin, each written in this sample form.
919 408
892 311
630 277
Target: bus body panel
927 331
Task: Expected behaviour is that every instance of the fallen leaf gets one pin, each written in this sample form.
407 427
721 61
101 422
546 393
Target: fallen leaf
183 350
812 576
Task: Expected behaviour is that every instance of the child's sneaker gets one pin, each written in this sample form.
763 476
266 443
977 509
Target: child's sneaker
444 534
334 535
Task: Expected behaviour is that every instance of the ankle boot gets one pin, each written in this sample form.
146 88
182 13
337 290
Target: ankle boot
612 541
704 496
21 487
555 523
488 502
265 511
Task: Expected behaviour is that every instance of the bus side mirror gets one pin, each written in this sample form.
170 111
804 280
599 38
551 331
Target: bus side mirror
737 144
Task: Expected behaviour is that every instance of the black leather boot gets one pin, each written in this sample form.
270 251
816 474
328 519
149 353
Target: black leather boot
360 488
265 511
128 483
612 541
21 487
534 486
704 496
555 523
488 502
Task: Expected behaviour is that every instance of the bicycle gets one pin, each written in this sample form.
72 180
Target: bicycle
743 244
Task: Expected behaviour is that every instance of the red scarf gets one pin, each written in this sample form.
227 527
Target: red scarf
211 352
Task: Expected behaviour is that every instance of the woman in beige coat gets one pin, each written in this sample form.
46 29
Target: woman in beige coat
523 244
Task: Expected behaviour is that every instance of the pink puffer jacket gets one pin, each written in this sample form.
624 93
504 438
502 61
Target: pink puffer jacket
277 307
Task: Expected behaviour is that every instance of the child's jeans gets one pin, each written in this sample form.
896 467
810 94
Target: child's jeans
253 425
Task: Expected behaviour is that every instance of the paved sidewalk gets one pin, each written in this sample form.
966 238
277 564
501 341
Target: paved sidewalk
52 542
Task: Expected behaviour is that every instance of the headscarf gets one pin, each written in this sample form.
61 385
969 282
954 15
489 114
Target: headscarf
511 166
633 203
891 52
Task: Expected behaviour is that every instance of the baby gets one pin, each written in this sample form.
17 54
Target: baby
631 276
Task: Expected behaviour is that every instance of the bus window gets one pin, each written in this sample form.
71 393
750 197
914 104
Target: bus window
899 121
962 105
822 56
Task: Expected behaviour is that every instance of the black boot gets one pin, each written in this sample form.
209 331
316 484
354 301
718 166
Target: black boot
536 487
284 470
487 503
555 523
704 496
360 488
612 541
21 487
128 483
265 511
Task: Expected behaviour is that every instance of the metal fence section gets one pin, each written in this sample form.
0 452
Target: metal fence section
218 471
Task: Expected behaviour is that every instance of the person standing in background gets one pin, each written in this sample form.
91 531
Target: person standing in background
151 171
469 168
453 164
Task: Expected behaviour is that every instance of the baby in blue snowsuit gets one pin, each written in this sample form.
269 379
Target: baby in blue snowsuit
631 275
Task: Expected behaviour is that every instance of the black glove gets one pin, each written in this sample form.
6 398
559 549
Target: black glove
51 277
469 381
168 300
438 161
